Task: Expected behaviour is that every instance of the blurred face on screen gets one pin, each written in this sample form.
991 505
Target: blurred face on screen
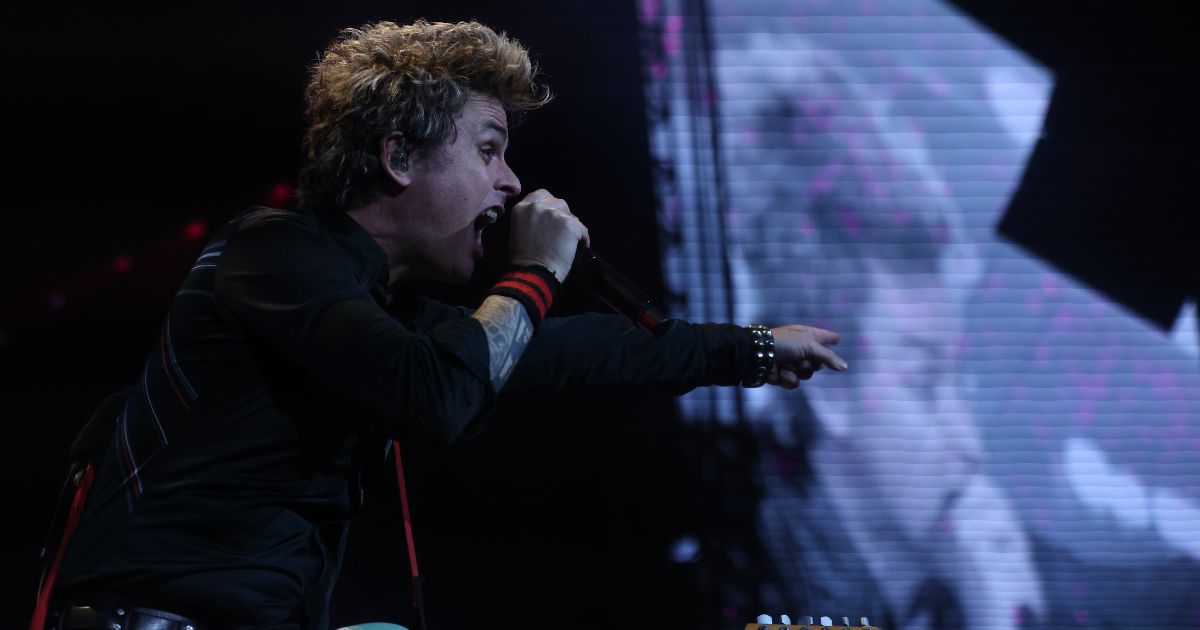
842 224
904 426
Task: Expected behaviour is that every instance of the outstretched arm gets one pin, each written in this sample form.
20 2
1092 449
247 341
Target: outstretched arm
598 349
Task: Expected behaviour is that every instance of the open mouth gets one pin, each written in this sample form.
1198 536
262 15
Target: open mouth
486 218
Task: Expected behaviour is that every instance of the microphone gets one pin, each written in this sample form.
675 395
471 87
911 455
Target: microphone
615 290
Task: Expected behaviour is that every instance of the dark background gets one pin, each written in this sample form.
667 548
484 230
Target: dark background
135 127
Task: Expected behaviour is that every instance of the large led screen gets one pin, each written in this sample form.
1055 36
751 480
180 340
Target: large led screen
1009 449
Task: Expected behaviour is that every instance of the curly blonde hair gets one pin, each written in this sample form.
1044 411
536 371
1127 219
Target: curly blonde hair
414 79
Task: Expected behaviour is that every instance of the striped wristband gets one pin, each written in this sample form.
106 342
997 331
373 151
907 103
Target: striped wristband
534 286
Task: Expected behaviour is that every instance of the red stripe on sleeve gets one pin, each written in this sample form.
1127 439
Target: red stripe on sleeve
526 290
537 281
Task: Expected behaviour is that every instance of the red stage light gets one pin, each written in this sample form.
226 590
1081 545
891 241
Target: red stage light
195 230
279 195
122 264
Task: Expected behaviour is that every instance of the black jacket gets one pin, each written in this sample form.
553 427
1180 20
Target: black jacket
226 489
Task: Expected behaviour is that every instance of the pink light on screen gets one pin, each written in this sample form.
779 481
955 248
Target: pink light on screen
650 9
849 220
747 137
1050 285
672 42
671 38
823 182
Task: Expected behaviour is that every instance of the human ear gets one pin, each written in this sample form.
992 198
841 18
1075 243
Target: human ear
393 158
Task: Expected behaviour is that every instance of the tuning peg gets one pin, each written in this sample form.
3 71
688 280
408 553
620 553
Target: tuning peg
785 620
806 621
846 621
862 621
826 621
763 619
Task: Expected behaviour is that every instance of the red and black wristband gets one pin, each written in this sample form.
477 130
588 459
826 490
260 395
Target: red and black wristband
533 286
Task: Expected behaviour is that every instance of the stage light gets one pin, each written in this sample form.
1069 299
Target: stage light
279 195
195 230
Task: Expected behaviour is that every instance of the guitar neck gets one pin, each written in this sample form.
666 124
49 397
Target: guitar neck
807 623
804 626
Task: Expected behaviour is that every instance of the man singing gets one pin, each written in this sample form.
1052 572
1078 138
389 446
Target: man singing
296 347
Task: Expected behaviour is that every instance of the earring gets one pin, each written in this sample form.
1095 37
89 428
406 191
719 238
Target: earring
399 160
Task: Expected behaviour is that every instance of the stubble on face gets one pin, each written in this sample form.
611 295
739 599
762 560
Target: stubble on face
437 231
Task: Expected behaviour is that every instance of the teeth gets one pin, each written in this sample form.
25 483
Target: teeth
489 216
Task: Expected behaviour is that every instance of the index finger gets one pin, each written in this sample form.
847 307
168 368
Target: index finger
824 337
830 358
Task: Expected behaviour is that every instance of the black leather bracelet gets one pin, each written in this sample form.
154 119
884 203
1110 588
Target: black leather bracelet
763 357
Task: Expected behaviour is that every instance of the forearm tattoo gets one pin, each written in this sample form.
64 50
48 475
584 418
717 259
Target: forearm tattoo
508 331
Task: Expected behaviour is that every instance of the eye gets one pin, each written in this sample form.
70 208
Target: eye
489 151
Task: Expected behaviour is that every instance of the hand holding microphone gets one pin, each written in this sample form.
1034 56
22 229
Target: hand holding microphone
544 232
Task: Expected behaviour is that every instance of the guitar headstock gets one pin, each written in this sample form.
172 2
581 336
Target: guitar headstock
806 623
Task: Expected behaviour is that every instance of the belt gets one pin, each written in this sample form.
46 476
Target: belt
117 618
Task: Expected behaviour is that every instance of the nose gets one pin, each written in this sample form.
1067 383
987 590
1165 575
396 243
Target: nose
508 181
